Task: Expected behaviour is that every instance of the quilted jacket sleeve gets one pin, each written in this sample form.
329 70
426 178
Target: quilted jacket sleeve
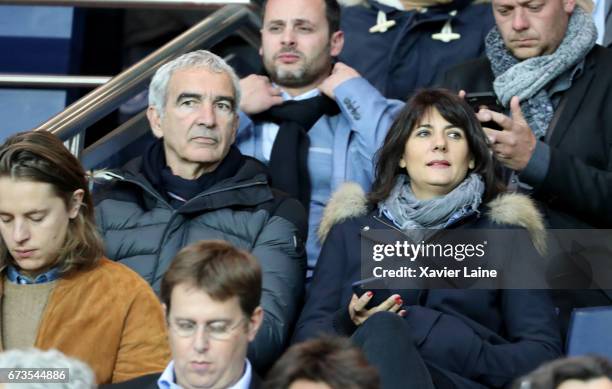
280 250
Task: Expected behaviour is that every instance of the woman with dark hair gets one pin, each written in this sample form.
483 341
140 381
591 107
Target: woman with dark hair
434 172
325 363
56 288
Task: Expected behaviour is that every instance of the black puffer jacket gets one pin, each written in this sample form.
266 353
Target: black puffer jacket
143 231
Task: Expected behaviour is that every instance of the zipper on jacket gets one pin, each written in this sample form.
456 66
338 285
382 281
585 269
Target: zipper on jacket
146 188
174 211
221 190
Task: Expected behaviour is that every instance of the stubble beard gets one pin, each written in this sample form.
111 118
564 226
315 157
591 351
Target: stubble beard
306 74
292 78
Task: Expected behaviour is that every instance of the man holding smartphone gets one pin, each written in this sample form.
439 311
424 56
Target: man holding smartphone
544 66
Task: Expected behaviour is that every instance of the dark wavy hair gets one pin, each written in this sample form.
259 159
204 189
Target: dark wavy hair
40 156
334 361
455 111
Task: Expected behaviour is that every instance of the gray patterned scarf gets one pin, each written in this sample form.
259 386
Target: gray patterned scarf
528 79
409 213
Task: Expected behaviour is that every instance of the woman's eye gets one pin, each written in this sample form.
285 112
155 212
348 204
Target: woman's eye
422 133
455 135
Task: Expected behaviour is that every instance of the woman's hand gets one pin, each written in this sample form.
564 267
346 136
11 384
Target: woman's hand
359 314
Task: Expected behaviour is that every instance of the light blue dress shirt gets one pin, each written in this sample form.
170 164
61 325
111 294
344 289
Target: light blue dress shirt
599 17
167 379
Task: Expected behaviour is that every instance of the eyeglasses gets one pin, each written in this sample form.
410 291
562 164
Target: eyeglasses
218 330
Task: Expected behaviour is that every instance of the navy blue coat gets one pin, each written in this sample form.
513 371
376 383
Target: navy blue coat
479 337
405 57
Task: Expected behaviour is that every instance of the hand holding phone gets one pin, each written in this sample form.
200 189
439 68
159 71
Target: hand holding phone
370 285
486 100
365 302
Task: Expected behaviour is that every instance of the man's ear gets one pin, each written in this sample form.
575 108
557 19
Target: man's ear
165 308
235 127
336 43
76 201
255 322
569 5
155 122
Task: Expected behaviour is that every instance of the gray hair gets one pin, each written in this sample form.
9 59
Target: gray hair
80 375
158 89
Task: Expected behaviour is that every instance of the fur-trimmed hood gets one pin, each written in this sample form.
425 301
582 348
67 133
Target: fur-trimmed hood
509 208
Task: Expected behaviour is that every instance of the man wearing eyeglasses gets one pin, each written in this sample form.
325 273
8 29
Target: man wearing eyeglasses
210 296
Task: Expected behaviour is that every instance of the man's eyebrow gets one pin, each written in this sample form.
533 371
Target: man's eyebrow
189 95
302 21
34 211
294 21
275 22
503 5
219 320
177 318
214 320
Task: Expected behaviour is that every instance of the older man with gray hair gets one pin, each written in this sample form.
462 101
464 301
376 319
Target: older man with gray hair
192 184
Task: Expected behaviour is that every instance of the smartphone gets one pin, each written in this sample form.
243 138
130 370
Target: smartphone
488 100
373 285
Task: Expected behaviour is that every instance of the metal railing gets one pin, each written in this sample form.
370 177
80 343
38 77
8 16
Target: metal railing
161 4
50 81
12 80
103 100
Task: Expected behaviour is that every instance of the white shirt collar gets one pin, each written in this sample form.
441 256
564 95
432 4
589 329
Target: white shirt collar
306 95
245 380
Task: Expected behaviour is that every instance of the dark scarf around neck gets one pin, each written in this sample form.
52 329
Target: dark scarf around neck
161 178
288 167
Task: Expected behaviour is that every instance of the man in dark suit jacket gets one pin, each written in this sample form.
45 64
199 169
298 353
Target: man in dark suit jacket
210 295
545 68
